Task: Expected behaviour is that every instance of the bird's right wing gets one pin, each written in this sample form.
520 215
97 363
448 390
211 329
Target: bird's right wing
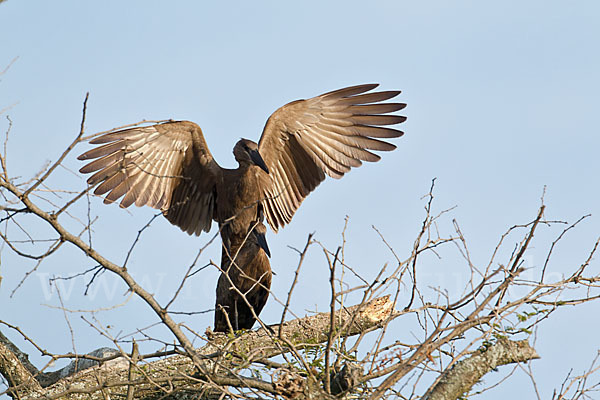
166 166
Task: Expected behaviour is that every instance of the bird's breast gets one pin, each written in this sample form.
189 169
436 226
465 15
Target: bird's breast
238 199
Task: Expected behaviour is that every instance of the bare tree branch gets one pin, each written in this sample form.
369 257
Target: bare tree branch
461 377
181 372
13 366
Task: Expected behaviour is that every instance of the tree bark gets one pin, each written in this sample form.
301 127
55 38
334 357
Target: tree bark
460 378
16 368
176 377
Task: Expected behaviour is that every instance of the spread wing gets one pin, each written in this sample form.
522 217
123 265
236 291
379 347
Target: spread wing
166 166
327 135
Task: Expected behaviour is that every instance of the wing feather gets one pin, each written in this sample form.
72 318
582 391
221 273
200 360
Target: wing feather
165 166
381 108
306 140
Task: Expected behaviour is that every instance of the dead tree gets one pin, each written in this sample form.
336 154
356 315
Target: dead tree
352 351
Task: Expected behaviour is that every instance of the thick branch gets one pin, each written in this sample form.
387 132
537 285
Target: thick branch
17 369
461 377
177 374
22 357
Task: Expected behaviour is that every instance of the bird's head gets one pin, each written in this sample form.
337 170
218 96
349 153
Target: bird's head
246 151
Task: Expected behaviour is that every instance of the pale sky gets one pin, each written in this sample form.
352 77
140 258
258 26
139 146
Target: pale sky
502 102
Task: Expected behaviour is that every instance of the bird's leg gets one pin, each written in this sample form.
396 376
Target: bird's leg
227 320
235 316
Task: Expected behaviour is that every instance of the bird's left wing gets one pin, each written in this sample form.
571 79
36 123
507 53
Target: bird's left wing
328 134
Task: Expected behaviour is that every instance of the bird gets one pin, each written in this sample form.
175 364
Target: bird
245 281
169 167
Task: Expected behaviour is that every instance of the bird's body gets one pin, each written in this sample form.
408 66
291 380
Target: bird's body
169 166
238 202
245 281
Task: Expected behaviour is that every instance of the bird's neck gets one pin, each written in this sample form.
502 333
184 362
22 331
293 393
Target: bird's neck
246 168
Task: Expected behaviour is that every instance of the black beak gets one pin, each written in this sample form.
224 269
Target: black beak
258 160
262 242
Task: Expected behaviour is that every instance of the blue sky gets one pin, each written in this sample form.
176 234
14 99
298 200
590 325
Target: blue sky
502 102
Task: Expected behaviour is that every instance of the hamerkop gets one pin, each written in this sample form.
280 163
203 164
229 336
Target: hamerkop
244 284
169 167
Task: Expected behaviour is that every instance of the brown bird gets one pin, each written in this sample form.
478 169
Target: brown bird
244 282
169 166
